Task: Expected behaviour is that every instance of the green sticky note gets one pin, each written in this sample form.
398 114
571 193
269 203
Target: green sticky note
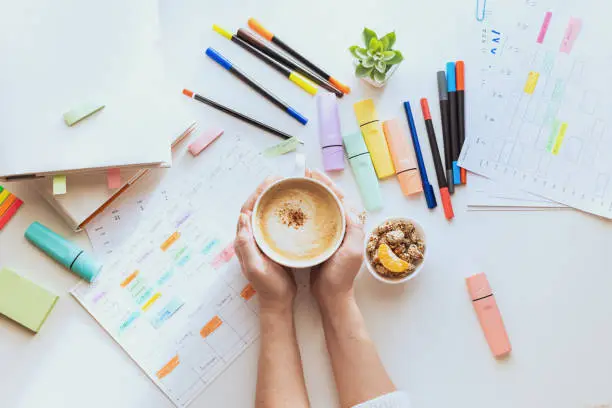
74 116
284 147
23 301
59 185
1 189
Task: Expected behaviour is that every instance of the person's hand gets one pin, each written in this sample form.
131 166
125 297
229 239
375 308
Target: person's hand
334 278
273 283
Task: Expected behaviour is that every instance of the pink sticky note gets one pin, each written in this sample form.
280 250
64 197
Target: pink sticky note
571 33
113 178
544 28
206 138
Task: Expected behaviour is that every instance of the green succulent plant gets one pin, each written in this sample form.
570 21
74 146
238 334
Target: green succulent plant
377 57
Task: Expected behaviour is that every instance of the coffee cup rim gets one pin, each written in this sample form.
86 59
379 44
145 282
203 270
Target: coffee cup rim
294 263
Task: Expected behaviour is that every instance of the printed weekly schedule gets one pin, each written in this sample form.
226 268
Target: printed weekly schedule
172 294
541 119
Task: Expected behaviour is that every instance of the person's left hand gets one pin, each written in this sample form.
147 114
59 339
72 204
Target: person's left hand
273 283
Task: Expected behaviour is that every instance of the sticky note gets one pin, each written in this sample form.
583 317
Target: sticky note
559 140
283 147
544 28
211 326
59 185
4 195
171 240
571 34
74 116
248 292
113 178
204 140
532 82
8 214
23 301
5 203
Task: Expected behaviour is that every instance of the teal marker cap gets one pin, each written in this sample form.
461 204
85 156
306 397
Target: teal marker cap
363 169
63 251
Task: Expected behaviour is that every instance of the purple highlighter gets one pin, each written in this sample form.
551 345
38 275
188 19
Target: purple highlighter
329 132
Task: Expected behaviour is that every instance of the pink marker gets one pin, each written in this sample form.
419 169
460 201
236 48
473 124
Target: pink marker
489 315
330 136
204 140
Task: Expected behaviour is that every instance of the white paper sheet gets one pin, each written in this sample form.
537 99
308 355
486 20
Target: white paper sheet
180 224
550 137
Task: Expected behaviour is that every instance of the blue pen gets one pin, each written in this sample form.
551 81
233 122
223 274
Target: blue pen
427 188
213 54
451 82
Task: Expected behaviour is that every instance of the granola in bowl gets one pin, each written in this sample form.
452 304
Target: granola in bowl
395 249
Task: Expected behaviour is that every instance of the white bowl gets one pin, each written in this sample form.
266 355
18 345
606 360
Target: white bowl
418 269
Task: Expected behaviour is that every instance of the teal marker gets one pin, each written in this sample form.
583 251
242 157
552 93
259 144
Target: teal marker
363 169
63 251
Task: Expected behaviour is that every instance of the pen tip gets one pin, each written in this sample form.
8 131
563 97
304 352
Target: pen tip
188 93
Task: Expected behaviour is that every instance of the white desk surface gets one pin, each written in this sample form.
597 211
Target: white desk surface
550 270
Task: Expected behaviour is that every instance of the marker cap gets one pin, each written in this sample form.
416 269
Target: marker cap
430 197
446 203
478 286
297 115
218 58
365 111
330 136
86 267
402 153
442 86
451 84
460 70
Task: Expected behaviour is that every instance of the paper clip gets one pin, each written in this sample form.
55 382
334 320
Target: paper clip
480 11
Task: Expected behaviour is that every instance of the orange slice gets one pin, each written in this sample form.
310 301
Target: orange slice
391 261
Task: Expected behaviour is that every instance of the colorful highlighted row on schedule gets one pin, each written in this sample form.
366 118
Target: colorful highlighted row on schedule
9 204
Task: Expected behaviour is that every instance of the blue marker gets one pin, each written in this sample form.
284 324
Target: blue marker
427 188
451 82
256 86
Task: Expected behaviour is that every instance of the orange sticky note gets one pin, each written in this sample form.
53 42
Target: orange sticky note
248 292
211 326
171 240
169 367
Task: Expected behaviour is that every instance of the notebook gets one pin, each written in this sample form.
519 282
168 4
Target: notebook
88 193
57 56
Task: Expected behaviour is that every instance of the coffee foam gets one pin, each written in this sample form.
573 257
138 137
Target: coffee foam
299 220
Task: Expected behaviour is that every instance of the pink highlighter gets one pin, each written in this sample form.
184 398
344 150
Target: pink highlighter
489 315
330 137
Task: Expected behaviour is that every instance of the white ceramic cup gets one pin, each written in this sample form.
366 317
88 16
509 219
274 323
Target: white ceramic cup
292 263
418 269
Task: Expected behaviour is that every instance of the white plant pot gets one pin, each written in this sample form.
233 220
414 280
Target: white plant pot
375 83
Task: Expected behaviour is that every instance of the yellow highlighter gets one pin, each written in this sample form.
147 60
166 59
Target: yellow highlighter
372 132
293 76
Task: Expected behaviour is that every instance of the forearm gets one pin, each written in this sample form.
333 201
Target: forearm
280 378
358 370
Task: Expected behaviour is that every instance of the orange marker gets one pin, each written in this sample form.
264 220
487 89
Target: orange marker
460 74
489 315
261 30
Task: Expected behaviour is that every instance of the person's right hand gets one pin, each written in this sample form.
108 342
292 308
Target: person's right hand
334 278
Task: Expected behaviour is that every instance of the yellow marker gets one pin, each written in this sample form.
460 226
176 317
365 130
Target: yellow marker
532 82
171 240
293 76
373 135
151 301
560 138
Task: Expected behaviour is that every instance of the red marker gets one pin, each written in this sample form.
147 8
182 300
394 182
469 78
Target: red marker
442 184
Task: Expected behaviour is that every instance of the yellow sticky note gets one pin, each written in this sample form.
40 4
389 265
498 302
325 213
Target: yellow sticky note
560 138
532 82
59 185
